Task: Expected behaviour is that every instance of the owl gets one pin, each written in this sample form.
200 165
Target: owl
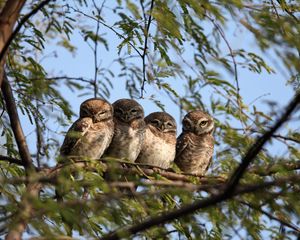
92 133
129 130
195 145
159 144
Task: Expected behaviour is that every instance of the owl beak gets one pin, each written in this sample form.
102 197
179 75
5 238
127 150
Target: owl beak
163 127
96 118
126 117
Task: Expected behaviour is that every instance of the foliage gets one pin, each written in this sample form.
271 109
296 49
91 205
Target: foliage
180 48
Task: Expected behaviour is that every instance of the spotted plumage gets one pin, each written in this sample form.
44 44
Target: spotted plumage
194 148
92 133
129 130
159 144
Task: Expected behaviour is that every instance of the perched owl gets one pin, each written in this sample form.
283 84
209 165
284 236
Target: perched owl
195 145
129 130
92 133
159 144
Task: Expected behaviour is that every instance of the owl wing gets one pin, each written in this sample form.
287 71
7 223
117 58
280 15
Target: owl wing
74 135
181 144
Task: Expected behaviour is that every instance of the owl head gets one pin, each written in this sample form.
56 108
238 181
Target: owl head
97 109
127 110
198 122
162 121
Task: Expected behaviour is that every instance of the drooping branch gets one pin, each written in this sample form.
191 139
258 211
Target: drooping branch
229 191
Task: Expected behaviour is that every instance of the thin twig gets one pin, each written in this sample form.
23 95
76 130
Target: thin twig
258 145
145 50
109 27
289 13
95 84
39 137
11 160
16 124
81 79
269 215
238 97
275 168
286 138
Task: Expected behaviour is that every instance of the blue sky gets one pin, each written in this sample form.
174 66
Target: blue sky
253 87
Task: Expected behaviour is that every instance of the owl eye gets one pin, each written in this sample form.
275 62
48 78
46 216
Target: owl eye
133 111
101 113
203 123
169 124
155 122
85 112
186 125
119 111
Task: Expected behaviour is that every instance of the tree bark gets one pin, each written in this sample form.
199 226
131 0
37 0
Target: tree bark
16 124
8 18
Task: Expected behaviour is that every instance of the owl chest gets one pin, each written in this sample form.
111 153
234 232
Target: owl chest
156 151
197 149
94 143
126 143
196 157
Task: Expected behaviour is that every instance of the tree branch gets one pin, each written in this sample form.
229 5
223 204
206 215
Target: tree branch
11 160
229 191
258 145
8 18
109 27
285 138
12 35
32 191
145 50
207 202
16 124
275 168
269 215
